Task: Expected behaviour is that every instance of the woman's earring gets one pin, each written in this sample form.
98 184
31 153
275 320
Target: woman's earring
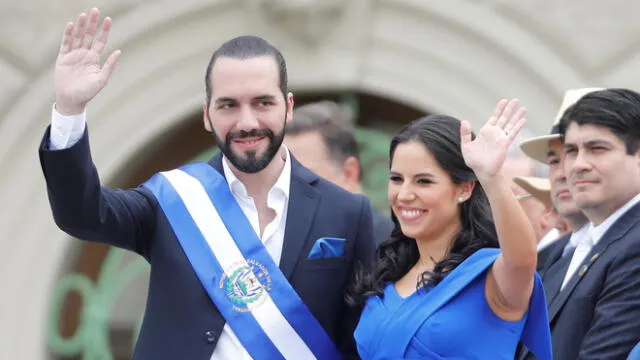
461 199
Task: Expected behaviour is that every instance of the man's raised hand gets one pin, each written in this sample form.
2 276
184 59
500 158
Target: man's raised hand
78 74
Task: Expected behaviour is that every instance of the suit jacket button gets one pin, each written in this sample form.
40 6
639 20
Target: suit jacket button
210 336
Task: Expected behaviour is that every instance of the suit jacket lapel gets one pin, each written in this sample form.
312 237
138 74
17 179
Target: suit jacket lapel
303 204
617 230
562 297
553 280
554 256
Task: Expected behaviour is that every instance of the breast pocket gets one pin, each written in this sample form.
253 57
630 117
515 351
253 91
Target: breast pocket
322 282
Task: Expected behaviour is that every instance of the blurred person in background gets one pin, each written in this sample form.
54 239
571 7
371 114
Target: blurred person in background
322 138
518 165
560 223
539 189
250 253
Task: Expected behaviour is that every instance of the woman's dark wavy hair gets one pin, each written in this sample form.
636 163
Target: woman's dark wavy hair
395 256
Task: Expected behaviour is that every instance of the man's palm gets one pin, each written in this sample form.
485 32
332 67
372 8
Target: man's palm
78 74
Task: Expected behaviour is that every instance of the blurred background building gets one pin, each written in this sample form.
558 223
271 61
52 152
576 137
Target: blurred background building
390 60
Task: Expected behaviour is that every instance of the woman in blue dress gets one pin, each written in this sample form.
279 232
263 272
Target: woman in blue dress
456 279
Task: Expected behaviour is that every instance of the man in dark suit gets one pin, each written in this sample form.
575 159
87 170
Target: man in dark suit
593 285
313 233
322 137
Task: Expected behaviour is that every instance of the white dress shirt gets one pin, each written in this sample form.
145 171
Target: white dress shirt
549 238
229 347
592 236
68 130
582 242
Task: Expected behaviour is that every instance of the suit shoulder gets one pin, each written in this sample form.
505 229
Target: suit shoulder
335 193
633 235
629 245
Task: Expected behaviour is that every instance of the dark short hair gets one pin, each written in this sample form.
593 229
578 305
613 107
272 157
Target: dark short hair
334 123
615 109
246 47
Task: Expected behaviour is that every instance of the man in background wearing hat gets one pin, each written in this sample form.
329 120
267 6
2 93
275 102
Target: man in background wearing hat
548 149
518 165
539 189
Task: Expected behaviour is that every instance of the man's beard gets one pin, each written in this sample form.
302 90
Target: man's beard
250 163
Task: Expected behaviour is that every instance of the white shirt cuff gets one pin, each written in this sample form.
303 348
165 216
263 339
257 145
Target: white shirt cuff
66 130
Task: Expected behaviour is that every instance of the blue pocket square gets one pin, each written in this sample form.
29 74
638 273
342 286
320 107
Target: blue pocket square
327 247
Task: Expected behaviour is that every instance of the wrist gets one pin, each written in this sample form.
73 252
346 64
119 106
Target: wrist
67 109
495 181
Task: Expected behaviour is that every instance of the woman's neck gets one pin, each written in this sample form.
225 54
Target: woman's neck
435 247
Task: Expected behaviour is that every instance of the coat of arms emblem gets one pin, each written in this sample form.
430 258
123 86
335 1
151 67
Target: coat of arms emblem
247 285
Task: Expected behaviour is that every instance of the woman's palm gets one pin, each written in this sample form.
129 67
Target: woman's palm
486 153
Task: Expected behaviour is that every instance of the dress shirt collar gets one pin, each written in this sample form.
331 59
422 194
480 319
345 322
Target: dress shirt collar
596 232
282 184
578 234
548 239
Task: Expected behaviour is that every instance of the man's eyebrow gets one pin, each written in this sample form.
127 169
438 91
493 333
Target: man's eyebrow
224 100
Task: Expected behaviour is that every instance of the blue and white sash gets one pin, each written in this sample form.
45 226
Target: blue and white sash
241 278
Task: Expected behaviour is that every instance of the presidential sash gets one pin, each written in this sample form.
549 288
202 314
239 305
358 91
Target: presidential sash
237 272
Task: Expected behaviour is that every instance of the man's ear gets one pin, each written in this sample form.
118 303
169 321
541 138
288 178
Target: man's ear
351 170
289 115
547 219
205 117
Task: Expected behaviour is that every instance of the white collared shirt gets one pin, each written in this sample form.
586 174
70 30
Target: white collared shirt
66 131
575 237
580 240
549 238
229 347
592 235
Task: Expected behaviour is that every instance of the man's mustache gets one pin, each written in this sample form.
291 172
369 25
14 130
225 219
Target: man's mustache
242 134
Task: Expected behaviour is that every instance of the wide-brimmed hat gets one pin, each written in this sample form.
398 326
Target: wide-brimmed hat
539 188
538 147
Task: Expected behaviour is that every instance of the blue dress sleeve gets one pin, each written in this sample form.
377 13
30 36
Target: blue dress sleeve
536 335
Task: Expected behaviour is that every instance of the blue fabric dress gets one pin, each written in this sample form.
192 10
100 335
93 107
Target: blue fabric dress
451 320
